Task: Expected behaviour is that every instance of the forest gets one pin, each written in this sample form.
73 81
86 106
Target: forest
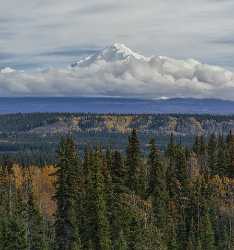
103 198
32 138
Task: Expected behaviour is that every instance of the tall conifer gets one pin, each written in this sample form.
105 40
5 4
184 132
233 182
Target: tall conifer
66 225
136 171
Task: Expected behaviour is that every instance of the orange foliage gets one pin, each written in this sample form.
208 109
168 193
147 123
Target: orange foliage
42 186
224 190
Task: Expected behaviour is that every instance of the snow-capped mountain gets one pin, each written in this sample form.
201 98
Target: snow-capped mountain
7 70
121 61
115 52
118 71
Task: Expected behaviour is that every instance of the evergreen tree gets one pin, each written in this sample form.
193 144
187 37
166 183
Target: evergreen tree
28 210
118 173
202 149
98 228
198 245
34 226
66 226
191 243
212 154
230 145
171 148
196 145
121 243
152 165
207 233
222 158
199 146
136 172
15 235
159 187
88 227
171 232
172 182
229 137
181 167
3 233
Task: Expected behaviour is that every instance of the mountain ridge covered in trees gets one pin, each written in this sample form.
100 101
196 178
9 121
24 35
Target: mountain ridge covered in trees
63 123
33 138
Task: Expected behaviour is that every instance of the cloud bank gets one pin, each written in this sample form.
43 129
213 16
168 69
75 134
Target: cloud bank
118 71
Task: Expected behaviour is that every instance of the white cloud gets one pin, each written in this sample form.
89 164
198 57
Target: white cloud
117 71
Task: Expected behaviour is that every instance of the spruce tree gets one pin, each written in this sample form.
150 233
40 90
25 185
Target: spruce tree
3 232
15 235
203 147
152 165
191 243
230 145
222 158
98 229
212 154
172 182
103 229
196 145
136 171
28 210
198 245
207 233
158 189
106 166
66 225
181 167
119 174
34 226
121 243
171 149
88 226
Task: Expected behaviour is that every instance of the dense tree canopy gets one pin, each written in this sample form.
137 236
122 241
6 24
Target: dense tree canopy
104 199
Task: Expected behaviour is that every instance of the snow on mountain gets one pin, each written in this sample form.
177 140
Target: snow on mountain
118 71
114 53
7 70
143 68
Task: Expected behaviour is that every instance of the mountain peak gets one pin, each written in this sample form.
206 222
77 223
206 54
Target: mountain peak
112 53
118 51
7 70
119 62
119 46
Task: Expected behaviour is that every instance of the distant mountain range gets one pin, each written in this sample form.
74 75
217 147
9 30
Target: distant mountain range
115 105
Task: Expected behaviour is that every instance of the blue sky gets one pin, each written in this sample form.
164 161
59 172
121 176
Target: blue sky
42 33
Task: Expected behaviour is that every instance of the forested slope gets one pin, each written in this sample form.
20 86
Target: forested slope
182 198
36 135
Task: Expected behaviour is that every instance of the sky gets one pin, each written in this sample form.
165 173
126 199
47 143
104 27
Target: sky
41 34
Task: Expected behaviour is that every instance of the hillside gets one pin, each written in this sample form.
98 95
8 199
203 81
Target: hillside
43 124
38 134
